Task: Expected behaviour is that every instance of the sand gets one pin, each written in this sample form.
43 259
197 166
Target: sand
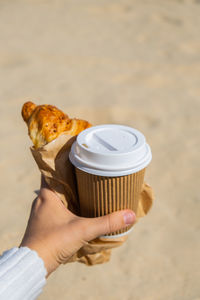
129 62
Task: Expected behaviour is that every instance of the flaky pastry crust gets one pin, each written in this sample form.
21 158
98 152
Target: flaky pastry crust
46 122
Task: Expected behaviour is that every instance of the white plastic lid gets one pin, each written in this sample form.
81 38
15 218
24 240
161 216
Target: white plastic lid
110 150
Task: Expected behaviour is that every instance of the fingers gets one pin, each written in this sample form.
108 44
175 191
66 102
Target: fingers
95 227
51 202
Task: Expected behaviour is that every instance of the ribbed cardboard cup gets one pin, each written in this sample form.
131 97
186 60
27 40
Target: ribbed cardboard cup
101 195
110 162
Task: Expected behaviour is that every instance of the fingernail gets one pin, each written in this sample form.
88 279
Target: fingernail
129 218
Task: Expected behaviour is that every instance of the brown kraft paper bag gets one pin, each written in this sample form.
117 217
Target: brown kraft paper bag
53 162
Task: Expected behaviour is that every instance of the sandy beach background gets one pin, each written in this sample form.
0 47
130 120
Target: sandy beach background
129 62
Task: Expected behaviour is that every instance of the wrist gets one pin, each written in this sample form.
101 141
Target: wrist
43 252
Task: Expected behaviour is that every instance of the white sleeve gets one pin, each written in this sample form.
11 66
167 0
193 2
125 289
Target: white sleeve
22 274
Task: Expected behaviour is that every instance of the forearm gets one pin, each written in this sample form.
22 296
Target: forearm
22 274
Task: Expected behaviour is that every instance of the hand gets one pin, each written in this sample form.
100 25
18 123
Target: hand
56 234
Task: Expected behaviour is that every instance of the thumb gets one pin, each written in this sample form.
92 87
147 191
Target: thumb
95 227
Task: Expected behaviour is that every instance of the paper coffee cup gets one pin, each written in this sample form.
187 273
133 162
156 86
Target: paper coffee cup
110 162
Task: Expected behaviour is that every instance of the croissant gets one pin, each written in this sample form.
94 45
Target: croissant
46 122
